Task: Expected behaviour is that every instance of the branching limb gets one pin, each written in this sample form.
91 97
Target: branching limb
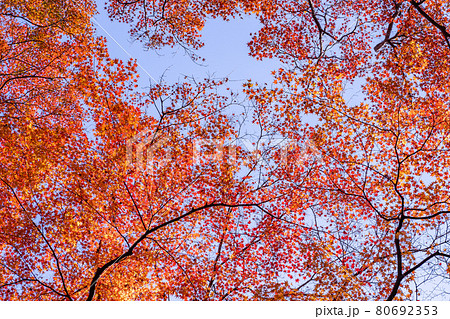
441 27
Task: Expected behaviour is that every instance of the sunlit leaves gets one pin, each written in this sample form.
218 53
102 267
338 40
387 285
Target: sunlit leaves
109 192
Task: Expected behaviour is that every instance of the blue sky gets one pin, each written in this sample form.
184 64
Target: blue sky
225 51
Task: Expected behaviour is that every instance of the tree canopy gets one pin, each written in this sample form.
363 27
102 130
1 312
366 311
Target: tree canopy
112 192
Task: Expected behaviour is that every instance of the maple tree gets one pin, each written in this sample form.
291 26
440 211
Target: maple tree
354 207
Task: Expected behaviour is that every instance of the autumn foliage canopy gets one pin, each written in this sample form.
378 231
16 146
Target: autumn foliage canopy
109 191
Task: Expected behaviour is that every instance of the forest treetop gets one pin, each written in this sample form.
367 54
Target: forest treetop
111 192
